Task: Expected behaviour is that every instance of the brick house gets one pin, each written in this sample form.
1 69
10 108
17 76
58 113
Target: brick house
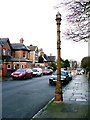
21 55
13 56
5 56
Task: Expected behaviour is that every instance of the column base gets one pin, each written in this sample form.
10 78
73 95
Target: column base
58 97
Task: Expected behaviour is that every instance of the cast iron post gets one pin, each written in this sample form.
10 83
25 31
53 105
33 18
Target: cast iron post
58 89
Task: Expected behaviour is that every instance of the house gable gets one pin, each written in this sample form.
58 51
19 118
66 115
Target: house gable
6 49
33 53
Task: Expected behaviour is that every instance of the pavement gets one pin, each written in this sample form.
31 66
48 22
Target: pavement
75 104
5 79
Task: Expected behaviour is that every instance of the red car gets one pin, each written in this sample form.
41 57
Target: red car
22 74
47 72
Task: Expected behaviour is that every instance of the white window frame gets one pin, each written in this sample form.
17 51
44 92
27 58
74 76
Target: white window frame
8 65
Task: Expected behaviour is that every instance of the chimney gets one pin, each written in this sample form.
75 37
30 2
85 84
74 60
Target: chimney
50 54
31 45
21 40
41 50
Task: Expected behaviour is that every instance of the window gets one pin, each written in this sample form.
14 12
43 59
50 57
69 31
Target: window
8 52
28 55
4 51
22 66
8 66
24 55
0 66
14 66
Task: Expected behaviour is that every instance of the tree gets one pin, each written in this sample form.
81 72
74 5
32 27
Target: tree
78 16
53 66
66 63
62 62
85 62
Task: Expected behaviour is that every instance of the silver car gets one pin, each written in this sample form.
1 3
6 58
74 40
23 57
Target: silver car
64 77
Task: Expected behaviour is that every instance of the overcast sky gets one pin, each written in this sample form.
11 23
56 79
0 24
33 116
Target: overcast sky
34 20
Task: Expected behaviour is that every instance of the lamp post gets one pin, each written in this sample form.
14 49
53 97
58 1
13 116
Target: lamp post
58 89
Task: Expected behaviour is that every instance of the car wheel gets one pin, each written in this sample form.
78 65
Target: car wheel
13 78
24 77
41 74
71 78
50 83
31 76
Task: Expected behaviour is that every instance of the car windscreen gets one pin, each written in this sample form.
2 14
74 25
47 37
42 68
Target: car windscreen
47 70
35 70
55 73
63 73
20 70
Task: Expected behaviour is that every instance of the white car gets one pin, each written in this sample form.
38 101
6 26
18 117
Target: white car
37 72
81 72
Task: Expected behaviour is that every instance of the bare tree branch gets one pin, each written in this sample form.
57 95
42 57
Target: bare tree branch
78 17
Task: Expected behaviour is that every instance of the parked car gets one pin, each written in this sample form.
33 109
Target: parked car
37 72
22 73
64 77
79 71
70 75
47 72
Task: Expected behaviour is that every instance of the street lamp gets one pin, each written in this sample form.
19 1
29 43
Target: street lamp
58 89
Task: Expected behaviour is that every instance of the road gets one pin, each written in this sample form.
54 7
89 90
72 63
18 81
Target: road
24 98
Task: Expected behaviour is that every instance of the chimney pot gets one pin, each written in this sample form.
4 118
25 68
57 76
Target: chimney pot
21 40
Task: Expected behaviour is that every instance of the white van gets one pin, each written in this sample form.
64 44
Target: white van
37 72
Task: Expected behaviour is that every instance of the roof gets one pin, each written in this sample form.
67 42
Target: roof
32 48
6 58
19 46
12 59
4 41
51 58
18 60
45 57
